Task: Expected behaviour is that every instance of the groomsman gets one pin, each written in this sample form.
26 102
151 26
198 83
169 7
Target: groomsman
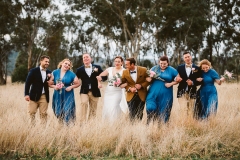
135 77
187 87
36 90
89 93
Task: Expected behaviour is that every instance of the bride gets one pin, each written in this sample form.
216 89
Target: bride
114 96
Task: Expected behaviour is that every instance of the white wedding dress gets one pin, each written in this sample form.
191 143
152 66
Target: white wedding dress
114 100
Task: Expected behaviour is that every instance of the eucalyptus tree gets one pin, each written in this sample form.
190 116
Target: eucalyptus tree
126 22
183 27
227 26
30 26
7 27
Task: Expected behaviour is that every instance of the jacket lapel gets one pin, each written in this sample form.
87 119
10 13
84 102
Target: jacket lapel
138 74
130 77
40 74
184 71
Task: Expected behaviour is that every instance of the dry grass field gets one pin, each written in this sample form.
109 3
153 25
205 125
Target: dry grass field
181 138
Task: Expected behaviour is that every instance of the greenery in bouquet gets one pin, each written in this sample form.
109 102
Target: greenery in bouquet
154 75
116 80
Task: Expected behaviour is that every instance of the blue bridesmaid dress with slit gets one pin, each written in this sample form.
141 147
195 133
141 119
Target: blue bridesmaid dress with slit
63 102
160 98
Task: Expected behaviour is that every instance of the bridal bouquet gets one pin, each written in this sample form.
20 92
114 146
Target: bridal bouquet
116 81
228 75
60 85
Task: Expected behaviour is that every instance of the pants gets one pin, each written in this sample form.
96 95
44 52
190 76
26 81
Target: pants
186 105
42 104
92 101
136 106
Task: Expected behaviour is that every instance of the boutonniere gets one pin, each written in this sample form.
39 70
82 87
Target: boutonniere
48 76
94 69
194 70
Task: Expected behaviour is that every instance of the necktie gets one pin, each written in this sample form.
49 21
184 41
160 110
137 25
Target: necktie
87 66
132 72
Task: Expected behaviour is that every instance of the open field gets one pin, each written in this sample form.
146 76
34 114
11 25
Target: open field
181 138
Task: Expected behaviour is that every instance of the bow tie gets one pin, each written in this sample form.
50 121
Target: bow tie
87 67
43 69
188 66
133 72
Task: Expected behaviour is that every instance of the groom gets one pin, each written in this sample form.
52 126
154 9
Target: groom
135 77
89 93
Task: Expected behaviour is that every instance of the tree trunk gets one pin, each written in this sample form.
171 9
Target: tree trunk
29 50
165 47
2 74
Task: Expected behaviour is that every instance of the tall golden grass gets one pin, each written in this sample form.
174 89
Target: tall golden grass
181 138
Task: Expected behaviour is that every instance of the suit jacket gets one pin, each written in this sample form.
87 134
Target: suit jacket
34 84
86 80
192 76
141 79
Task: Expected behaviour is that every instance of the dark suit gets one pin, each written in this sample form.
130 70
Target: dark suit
33 88
34 84
87 95
92 80
183 84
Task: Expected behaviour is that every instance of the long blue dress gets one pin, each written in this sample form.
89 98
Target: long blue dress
63 102
160 98
207 98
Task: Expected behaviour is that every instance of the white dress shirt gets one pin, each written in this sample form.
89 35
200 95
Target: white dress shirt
134 75
89 72
188 71
44 75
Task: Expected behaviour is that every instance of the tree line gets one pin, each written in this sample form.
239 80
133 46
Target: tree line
131 28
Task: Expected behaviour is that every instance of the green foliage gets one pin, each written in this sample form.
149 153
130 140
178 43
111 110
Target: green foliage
20 72
147 63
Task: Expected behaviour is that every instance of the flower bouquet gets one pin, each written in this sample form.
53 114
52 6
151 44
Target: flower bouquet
227 75
60 85
116 81
153 74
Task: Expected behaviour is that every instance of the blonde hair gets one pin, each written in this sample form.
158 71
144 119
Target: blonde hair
206 62
66 59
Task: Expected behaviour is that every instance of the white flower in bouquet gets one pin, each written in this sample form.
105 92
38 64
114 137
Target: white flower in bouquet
228 75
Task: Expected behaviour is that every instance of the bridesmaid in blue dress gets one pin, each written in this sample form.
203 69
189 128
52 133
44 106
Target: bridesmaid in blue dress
160 94
63 102
207 98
